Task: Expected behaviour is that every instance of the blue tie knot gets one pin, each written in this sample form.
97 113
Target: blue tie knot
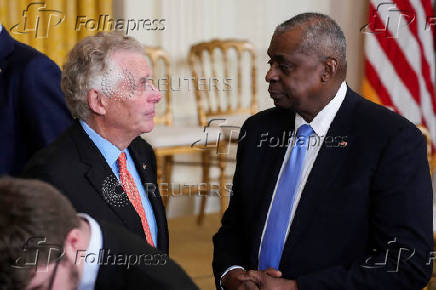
304 131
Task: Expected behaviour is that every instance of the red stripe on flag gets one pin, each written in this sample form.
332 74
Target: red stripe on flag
376 83
397 58
428 9
425 67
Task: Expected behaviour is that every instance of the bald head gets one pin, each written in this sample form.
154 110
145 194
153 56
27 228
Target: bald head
321 36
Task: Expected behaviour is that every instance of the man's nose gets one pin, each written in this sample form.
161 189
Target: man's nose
271 75
155 95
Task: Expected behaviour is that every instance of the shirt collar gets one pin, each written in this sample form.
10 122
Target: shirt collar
321 123
91 266
109 151
1 27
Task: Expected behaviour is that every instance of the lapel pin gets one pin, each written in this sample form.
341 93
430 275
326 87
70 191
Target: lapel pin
343 143
144 166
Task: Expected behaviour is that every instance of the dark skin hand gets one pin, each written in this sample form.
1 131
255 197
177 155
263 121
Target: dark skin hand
271 279
240 279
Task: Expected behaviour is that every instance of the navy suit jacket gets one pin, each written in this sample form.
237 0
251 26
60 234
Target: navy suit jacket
32 107
364 220
145 268
74 165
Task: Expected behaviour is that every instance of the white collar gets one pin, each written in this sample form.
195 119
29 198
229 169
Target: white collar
91 265
321 123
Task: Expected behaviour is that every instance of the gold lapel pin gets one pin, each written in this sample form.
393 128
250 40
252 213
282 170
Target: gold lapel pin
144 166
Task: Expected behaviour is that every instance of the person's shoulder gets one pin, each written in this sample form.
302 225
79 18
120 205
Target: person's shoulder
56 158
268 117
27 58
379 119
148 267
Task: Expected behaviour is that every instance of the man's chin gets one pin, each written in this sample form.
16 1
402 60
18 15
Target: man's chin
282 105
147 128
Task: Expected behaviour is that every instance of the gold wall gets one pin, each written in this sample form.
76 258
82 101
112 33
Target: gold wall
54 26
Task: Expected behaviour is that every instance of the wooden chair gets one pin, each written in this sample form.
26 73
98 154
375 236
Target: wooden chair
223 106
169 140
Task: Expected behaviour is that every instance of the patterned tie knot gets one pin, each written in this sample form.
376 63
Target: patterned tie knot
122 163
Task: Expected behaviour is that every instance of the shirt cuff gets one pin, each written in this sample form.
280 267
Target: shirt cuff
226 271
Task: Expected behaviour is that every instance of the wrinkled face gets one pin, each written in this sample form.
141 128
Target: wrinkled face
133 98
294 77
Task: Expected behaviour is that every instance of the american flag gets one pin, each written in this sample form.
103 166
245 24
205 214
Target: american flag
400 59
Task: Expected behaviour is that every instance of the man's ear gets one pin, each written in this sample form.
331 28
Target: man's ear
97 102
73 244
330 68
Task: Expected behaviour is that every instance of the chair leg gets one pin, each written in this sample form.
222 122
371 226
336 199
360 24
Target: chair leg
161 178
167 173
206 166
222 160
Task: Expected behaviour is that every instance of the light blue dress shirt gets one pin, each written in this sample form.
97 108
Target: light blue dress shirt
111 153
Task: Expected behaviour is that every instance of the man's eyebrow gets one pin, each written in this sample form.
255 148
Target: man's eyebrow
278 57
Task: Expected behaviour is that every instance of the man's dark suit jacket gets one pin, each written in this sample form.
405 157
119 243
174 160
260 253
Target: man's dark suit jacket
154 270
32 107
368 195
74 165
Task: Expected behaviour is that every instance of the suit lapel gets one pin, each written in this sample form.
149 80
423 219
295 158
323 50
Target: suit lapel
143 162
326 166
103 180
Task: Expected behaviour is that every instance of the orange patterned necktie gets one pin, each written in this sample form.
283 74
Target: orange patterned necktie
132 192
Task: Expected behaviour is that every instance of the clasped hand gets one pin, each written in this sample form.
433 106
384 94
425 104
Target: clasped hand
239 279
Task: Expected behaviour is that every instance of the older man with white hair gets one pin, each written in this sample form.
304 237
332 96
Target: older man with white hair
100 163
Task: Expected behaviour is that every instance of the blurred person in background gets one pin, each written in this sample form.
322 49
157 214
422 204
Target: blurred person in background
45 244
32 106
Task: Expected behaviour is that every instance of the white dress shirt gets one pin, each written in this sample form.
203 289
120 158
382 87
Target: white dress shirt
91 266
320 125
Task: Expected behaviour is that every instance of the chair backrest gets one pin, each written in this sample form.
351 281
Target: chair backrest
158 57
427 136
206 59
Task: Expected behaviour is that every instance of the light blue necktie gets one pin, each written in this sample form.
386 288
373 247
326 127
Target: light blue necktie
281 208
